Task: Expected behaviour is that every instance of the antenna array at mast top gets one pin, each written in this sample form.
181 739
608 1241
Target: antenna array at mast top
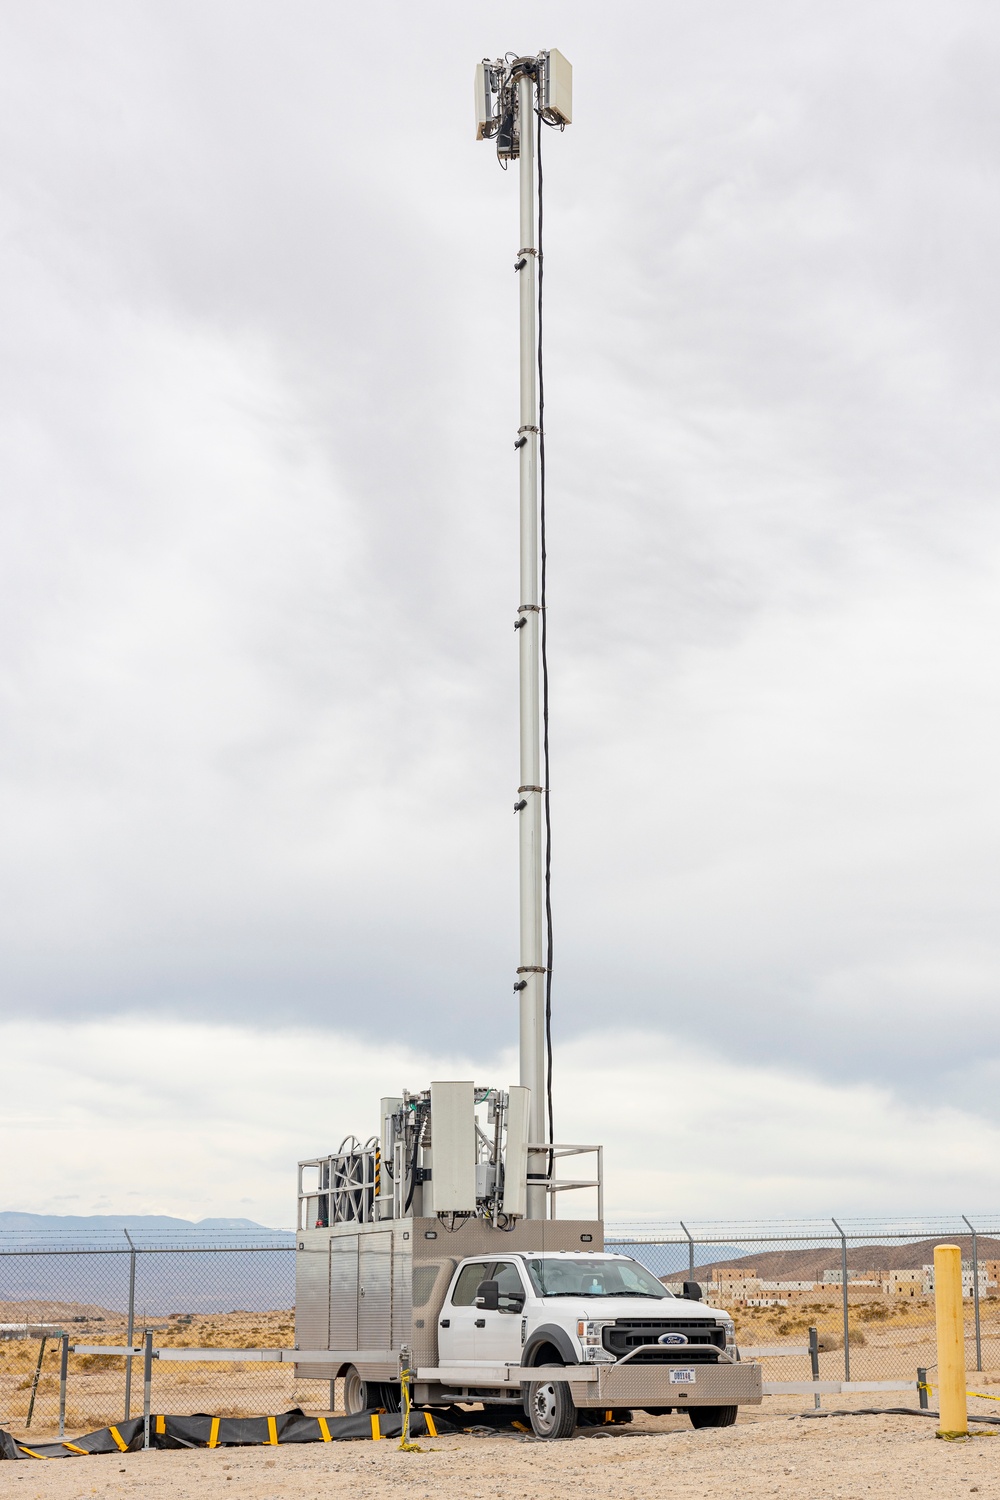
497 109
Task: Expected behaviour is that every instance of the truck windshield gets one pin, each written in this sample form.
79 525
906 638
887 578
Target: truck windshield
593 1278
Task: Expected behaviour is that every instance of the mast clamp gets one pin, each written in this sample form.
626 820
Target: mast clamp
532 969
522 607
529 789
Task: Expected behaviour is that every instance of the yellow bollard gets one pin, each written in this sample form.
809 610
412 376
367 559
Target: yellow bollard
948 1315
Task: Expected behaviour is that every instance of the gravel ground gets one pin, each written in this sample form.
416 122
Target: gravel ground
894 1458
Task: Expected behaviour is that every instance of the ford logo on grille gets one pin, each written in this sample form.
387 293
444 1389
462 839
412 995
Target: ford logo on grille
672 1338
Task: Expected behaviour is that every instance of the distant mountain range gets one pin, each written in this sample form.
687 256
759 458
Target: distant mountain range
111 1223
809 1264
214 1265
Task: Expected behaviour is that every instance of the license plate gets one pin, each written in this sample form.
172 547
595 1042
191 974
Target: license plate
682 1377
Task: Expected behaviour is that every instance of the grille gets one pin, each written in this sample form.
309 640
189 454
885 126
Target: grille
630 1333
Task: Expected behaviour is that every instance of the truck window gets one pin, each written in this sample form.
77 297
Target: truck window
467 1284
596 1277
424 1278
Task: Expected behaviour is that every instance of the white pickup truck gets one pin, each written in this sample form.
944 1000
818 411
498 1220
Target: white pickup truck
602 1332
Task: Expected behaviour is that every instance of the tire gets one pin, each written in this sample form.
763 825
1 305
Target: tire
712 1416
550 1408
359 1395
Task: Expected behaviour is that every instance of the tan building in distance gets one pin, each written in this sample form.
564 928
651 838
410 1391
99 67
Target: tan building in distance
905 1284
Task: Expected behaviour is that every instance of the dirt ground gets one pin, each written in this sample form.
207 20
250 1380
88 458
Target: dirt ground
765 1454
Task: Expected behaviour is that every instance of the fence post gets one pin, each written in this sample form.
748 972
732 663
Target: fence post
975 1297
63 1368
843 1277
922 1389
131 1325
690 1249
147 1384
814 1361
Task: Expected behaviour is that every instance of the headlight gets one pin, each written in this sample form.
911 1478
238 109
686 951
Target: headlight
730 1328
591 1333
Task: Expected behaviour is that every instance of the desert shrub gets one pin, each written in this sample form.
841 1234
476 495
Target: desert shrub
97 1362
875 1312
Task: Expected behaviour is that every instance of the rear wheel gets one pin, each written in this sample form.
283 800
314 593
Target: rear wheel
712 1416
359 1395
550 1407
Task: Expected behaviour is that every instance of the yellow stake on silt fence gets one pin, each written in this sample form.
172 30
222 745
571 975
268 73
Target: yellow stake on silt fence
948 1315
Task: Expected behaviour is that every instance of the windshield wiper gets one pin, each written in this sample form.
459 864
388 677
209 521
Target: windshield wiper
572 1294
656 1296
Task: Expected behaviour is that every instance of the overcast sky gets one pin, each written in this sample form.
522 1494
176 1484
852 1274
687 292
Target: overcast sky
258 574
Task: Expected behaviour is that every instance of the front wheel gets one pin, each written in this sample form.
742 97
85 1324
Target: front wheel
550 1407
712 1416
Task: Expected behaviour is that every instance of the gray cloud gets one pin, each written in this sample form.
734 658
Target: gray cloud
258 536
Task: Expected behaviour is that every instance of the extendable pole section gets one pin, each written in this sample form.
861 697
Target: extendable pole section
530 793
954 1416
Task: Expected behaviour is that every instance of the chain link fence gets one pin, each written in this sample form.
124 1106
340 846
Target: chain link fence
865 1286
232 1294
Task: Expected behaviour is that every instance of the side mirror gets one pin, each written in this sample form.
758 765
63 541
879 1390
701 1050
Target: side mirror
488 1296
692 1291
513 1302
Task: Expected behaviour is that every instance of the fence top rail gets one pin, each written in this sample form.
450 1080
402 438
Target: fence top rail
736 1240
749 1234
33 1247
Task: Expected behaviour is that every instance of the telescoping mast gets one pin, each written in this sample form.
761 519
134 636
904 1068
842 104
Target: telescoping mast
457 1163
417 1245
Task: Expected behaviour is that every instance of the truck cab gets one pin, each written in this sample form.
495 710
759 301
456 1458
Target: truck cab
570 1308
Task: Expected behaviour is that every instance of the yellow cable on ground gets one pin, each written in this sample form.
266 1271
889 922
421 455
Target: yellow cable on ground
983 1395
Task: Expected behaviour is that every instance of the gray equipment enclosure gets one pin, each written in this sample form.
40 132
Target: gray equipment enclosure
371 1293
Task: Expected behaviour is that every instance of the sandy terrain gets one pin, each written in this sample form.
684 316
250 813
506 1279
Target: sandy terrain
851 1458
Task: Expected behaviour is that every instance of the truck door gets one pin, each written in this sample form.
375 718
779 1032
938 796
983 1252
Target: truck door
343 1292
459 1315
498 1340
375 1291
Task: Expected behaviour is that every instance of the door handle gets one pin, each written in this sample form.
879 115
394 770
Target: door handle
445 1323
480 1322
